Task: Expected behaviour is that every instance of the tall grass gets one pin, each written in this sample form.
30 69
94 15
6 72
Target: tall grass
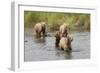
75 21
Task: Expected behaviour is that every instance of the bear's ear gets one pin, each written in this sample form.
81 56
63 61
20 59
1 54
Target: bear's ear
71 39
56 35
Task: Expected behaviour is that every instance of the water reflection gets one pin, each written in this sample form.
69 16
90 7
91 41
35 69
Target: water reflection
68 55
65 54
39 40
43 49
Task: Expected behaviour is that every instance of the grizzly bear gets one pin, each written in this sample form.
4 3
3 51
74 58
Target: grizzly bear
63 30
40 29
65 43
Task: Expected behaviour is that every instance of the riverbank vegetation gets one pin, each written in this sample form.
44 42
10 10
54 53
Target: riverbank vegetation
75 21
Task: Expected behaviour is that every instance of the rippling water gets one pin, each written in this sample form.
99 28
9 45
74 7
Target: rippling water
44 49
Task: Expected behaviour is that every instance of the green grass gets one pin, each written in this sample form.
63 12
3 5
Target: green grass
75 21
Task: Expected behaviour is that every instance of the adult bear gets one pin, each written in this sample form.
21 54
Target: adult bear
61 33
40 29
63 30
65 43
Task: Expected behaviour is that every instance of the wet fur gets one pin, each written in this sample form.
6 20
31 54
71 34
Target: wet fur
65 44
40 29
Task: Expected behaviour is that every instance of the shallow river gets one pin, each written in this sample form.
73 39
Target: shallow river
44 49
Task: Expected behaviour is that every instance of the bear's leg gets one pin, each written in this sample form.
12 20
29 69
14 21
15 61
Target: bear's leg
70 48
43 31
60 47
36 34
39 34
56 44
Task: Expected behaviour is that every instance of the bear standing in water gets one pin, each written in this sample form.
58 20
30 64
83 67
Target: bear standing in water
61 33
65 43
63 30
63 40
40 29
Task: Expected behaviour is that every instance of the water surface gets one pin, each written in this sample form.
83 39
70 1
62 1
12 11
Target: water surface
43 49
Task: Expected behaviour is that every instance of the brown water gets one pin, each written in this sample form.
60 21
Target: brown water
44 49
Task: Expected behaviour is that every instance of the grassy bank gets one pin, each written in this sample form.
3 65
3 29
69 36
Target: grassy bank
75 21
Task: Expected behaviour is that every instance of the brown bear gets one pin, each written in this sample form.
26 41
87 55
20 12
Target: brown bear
40 29
61 33
65 43
63 30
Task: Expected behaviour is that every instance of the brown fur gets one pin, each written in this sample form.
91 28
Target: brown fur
40 29
65 44
63 30
57 35
61 33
